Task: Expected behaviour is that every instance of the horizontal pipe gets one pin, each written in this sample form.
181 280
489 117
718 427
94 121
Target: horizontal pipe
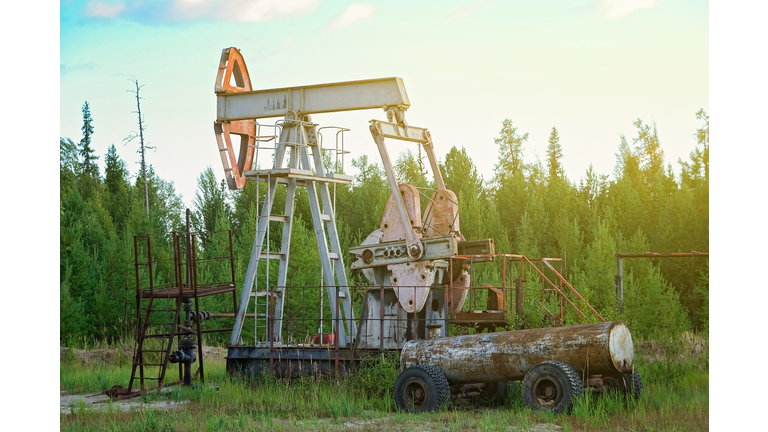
591 349
662 255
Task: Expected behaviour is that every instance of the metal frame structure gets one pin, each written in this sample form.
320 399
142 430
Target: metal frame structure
419 268
159 314
316 356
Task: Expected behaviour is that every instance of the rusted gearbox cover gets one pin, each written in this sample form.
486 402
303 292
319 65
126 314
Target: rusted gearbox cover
591 349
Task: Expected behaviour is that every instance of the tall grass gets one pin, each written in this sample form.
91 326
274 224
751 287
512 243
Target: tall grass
675 397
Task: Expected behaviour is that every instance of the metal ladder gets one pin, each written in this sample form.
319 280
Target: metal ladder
156 356
298 140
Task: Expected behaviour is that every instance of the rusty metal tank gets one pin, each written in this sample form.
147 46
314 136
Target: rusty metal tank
591 349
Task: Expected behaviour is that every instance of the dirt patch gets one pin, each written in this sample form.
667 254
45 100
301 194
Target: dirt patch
124 354
99 402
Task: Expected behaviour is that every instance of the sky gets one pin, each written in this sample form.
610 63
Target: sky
590 68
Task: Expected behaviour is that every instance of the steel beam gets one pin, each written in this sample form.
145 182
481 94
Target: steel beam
312 99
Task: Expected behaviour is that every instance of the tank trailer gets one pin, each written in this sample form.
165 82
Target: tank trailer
418 264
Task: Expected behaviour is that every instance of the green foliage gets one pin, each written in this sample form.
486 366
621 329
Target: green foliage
118 189
71 312
410 170
530 209
85 149
460 175
555 156
376 375
652 307
211 199
510 152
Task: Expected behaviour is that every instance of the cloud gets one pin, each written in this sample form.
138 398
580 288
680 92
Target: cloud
199 10
240 10
469 9
354 13
102 9
89 66
618 8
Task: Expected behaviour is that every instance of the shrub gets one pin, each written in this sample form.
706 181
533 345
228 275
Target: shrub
377 375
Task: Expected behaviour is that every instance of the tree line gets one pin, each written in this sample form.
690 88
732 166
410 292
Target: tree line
531 209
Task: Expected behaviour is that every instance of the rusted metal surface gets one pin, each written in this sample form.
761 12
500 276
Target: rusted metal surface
158 307
591 349
392 225
412 283
232 68
296 361
441 216
663 255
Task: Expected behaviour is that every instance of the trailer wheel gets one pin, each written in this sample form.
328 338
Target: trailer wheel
421 388
632 384
551 386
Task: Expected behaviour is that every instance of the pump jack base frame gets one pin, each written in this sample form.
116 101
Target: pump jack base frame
294 362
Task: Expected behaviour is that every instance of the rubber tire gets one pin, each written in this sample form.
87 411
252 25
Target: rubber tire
633 385
493 394
560 373
432 379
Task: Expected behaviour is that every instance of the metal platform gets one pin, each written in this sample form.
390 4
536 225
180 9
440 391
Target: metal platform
296 361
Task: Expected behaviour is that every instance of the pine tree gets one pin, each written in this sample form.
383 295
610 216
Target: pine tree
118 188
86 151
510 152
569 240
69 165
509 177
71 313
408 170
598 272
652 307
363 208
554 156
460 174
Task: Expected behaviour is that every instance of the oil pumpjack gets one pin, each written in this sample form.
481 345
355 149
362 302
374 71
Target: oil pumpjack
407 260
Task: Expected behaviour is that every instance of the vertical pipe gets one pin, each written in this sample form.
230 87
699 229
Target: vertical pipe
471 282
620 284
149 262
320 326
270 311
381 318
232 269
186 342
336 336
199 344
188 249
519 298
504 283
543 286
448 288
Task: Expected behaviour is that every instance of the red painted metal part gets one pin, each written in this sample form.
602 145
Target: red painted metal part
526 262
232 68
662 255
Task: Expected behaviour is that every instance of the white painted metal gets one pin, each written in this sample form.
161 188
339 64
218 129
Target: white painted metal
312 99
297 138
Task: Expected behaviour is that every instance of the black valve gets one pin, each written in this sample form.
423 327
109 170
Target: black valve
204 315
182 357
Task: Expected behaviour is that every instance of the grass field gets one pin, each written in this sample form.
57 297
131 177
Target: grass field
675 398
